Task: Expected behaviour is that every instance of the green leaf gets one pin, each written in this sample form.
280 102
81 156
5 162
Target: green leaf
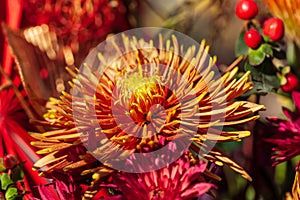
267 49
264 77
2 168
285 70
266 38
11 193
17 174
282 80
5 181
256 56
291 53
240 47
280 173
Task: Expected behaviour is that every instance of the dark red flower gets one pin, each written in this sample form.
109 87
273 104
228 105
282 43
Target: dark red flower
63 187
287 137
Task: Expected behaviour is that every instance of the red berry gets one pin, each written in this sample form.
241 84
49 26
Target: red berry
246 9
10 161
274 28
252 38
291 83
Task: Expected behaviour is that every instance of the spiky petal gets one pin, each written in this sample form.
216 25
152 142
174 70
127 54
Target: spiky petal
295 194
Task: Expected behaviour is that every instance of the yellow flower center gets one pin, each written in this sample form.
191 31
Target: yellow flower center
144 96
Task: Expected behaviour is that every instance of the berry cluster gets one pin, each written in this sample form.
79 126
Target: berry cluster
259 36
273 28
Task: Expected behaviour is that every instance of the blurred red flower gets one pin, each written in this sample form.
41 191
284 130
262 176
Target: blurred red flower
77 20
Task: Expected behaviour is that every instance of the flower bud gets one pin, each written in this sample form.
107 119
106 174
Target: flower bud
10 161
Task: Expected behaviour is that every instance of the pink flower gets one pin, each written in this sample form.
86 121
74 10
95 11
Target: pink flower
180 180
287 136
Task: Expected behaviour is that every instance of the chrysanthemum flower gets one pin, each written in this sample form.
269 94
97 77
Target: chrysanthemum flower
287 136
193 94
288 11
179 180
